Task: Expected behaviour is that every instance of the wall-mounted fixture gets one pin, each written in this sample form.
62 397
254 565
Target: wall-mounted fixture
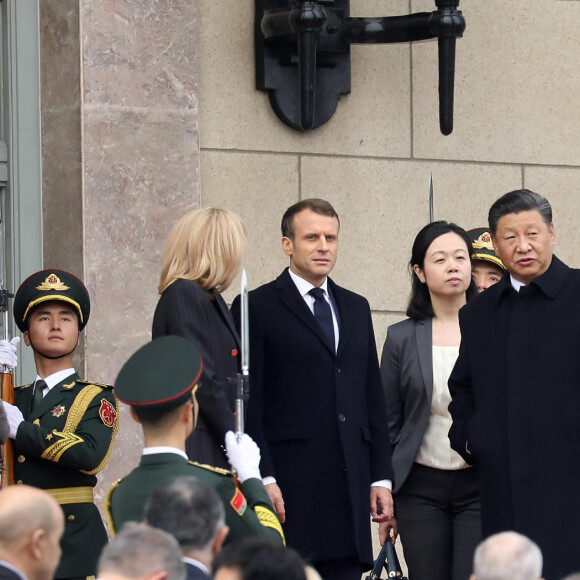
303 53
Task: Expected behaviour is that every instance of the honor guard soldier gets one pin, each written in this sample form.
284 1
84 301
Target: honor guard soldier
63 427
159 383
486 268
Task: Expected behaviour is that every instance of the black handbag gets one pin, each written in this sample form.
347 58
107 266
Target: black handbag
388 560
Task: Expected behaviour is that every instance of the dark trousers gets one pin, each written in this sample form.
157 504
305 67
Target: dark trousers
439 519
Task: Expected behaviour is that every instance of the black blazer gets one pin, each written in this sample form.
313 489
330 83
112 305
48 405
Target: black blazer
195 573
407 374
318 417
186 309
8 574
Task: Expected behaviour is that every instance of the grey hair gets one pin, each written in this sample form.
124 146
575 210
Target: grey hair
518 201
187 508
138 550
507 556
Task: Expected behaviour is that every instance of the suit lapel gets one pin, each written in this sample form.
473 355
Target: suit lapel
344 315
291 298
423 336
227 316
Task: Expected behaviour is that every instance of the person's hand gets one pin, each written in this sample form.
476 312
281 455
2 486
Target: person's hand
381 504
244 456
277 500
14 416
8 356
388 529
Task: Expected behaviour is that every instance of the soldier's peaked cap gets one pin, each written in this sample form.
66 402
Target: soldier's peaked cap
483 247
48 285
160 375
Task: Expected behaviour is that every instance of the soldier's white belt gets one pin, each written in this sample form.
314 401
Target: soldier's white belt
65 495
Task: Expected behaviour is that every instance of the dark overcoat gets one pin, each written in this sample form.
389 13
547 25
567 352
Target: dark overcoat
186 309
61 445
318 417
516 410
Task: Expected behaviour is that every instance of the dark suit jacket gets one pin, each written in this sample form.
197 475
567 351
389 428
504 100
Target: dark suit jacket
64 443
8 574
185 309
516 403
195 573
319 418
407 373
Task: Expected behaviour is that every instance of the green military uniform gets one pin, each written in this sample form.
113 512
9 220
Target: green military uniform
156 380
248 508
66 440
60 447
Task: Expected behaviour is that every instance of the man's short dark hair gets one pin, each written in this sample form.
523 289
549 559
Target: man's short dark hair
315 205
261 559
187 508
518 201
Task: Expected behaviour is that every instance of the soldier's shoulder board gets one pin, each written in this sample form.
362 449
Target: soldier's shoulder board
219 470
102 385
21 387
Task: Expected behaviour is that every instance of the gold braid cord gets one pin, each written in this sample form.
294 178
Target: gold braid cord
67 438
269 519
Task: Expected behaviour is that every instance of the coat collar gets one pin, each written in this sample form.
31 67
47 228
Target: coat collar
549 283
226 315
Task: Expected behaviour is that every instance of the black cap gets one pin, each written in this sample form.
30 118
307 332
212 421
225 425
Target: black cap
160 375
48 285
483 248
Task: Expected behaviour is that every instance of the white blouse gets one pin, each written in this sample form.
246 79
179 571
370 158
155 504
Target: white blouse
435 450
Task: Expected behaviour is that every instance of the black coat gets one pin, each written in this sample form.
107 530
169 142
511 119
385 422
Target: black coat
319 418
186 309
516 410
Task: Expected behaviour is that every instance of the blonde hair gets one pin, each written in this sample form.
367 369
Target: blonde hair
205 245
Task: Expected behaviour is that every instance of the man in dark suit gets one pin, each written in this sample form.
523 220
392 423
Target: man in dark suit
316 407
515 387
192 512
31 525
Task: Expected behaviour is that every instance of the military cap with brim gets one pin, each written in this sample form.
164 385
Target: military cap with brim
160 375
483 247
48 285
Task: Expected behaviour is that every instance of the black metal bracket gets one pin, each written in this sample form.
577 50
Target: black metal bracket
303 53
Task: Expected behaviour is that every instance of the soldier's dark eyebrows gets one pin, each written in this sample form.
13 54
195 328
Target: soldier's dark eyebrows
44 311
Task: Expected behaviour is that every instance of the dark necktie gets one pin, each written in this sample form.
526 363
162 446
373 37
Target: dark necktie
323 316
38 393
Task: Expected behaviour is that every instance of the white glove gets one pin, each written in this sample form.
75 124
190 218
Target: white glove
8 356
15 417
244 456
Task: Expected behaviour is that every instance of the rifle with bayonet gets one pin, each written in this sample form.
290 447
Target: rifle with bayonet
243 378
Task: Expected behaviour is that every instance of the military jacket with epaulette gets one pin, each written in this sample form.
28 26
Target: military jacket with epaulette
60 447
248 508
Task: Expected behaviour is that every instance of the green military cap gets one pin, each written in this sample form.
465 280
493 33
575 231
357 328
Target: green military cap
160 375
483 248
48 285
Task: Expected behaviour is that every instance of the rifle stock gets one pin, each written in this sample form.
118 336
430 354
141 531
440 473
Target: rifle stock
7 387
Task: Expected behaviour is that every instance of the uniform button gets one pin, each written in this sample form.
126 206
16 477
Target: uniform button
342 418
21 459
71 518
19 482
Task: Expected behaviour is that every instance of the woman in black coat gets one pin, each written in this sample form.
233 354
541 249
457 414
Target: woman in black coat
436 494
202 256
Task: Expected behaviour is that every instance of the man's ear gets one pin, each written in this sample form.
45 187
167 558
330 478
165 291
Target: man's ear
26 337
219 540
134 415
287 246
35 544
